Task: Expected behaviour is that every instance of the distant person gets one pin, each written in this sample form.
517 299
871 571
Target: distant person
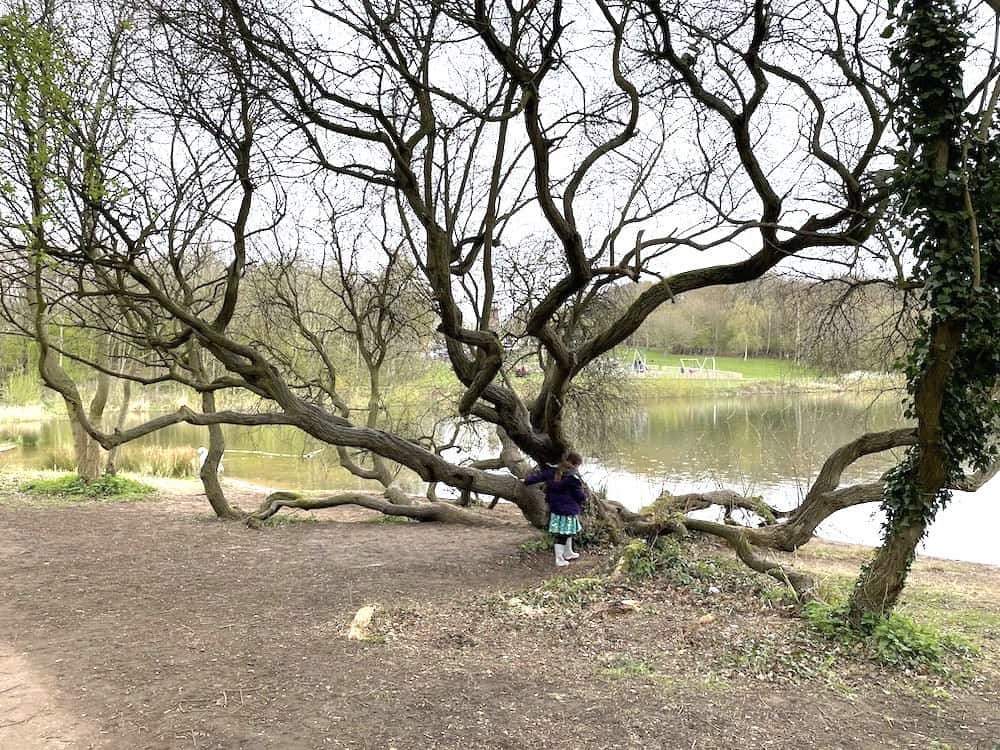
565 496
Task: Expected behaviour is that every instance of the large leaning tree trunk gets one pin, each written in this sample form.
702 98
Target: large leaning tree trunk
458 238
209 469
457 253
953 369
519 122
209 472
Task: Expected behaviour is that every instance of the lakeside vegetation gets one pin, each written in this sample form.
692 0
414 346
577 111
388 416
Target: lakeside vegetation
46 489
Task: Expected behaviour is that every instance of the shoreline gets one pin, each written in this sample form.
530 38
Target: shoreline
674 387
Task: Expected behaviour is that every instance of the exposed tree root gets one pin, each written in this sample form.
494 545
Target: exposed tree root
787 530
801 584
419 511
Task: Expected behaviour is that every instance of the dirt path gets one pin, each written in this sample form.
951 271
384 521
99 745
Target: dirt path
29 717
146 627
169 630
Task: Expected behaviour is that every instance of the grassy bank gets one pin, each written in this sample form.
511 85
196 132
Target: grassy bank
53 489
755 375
753 368
957 598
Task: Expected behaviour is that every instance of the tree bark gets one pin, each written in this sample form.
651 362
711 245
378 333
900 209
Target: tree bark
802 584
210 469
881 582
428 512
111 466
86 451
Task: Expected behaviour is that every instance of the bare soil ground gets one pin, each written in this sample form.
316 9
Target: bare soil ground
147 626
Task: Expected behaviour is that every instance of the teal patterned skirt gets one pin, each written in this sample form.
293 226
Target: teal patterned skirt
564 525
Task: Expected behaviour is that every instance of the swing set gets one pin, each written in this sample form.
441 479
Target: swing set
695 365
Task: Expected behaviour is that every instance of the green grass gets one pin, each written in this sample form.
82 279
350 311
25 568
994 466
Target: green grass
894 639
953 611
624 667
565 592
536 546
628 668
69 489
681 564
755 368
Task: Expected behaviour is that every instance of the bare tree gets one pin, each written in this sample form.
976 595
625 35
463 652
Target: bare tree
54 118
359 291
403 135
496 128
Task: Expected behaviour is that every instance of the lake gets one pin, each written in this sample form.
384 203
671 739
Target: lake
769 445
773 446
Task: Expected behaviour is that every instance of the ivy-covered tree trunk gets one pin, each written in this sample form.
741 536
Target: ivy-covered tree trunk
953 367
925 477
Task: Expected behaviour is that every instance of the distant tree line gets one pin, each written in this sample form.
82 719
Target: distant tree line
835 324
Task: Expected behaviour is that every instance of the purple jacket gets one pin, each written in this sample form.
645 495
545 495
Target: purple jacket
564 496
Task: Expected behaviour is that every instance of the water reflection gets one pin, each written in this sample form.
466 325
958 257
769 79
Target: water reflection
277 456
760 439
773 445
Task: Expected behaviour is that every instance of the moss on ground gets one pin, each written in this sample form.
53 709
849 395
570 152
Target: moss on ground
47 491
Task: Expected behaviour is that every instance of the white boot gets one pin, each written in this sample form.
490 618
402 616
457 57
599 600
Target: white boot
560 560
568 553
